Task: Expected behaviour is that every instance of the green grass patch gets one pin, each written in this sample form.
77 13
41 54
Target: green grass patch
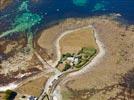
84 55
10 95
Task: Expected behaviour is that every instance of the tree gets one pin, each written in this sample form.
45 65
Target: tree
67 66
10 95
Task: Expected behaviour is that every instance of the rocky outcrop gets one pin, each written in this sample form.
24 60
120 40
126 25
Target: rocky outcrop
4 3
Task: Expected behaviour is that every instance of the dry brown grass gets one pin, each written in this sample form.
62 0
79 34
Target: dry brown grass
33 87
49 36
118 60
2 96
74 41
47 39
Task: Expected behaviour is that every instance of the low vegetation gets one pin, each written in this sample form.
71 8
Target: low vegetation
10 95
125 89
76 60
84 56
67 66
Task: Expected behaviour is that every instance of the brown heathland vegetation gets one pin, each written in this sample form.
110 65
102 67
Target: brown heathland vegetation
102 82
33 87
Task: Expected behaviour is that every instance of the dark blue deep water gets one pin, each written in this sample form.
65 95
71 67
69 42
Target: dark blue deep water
59 9
53 10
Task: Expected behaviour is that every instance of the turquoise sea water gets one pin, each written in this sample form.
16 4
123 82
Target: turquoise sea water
30 15
80 2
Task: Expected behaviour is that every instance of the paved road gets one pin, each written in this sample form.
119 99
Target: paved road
45 91
52 83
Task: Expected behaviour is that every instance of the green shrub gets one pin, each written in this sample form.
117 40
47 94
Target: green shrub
64 56
68 55
83 55
10 95
67 66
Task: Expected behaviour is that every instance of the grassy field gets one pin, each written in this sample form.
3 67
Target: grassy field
33 87
74 41
80 45
2 95
47 39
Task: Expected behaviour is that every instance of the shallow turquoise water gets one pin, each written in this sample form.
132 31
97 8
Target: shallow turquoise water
80 2
29 16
